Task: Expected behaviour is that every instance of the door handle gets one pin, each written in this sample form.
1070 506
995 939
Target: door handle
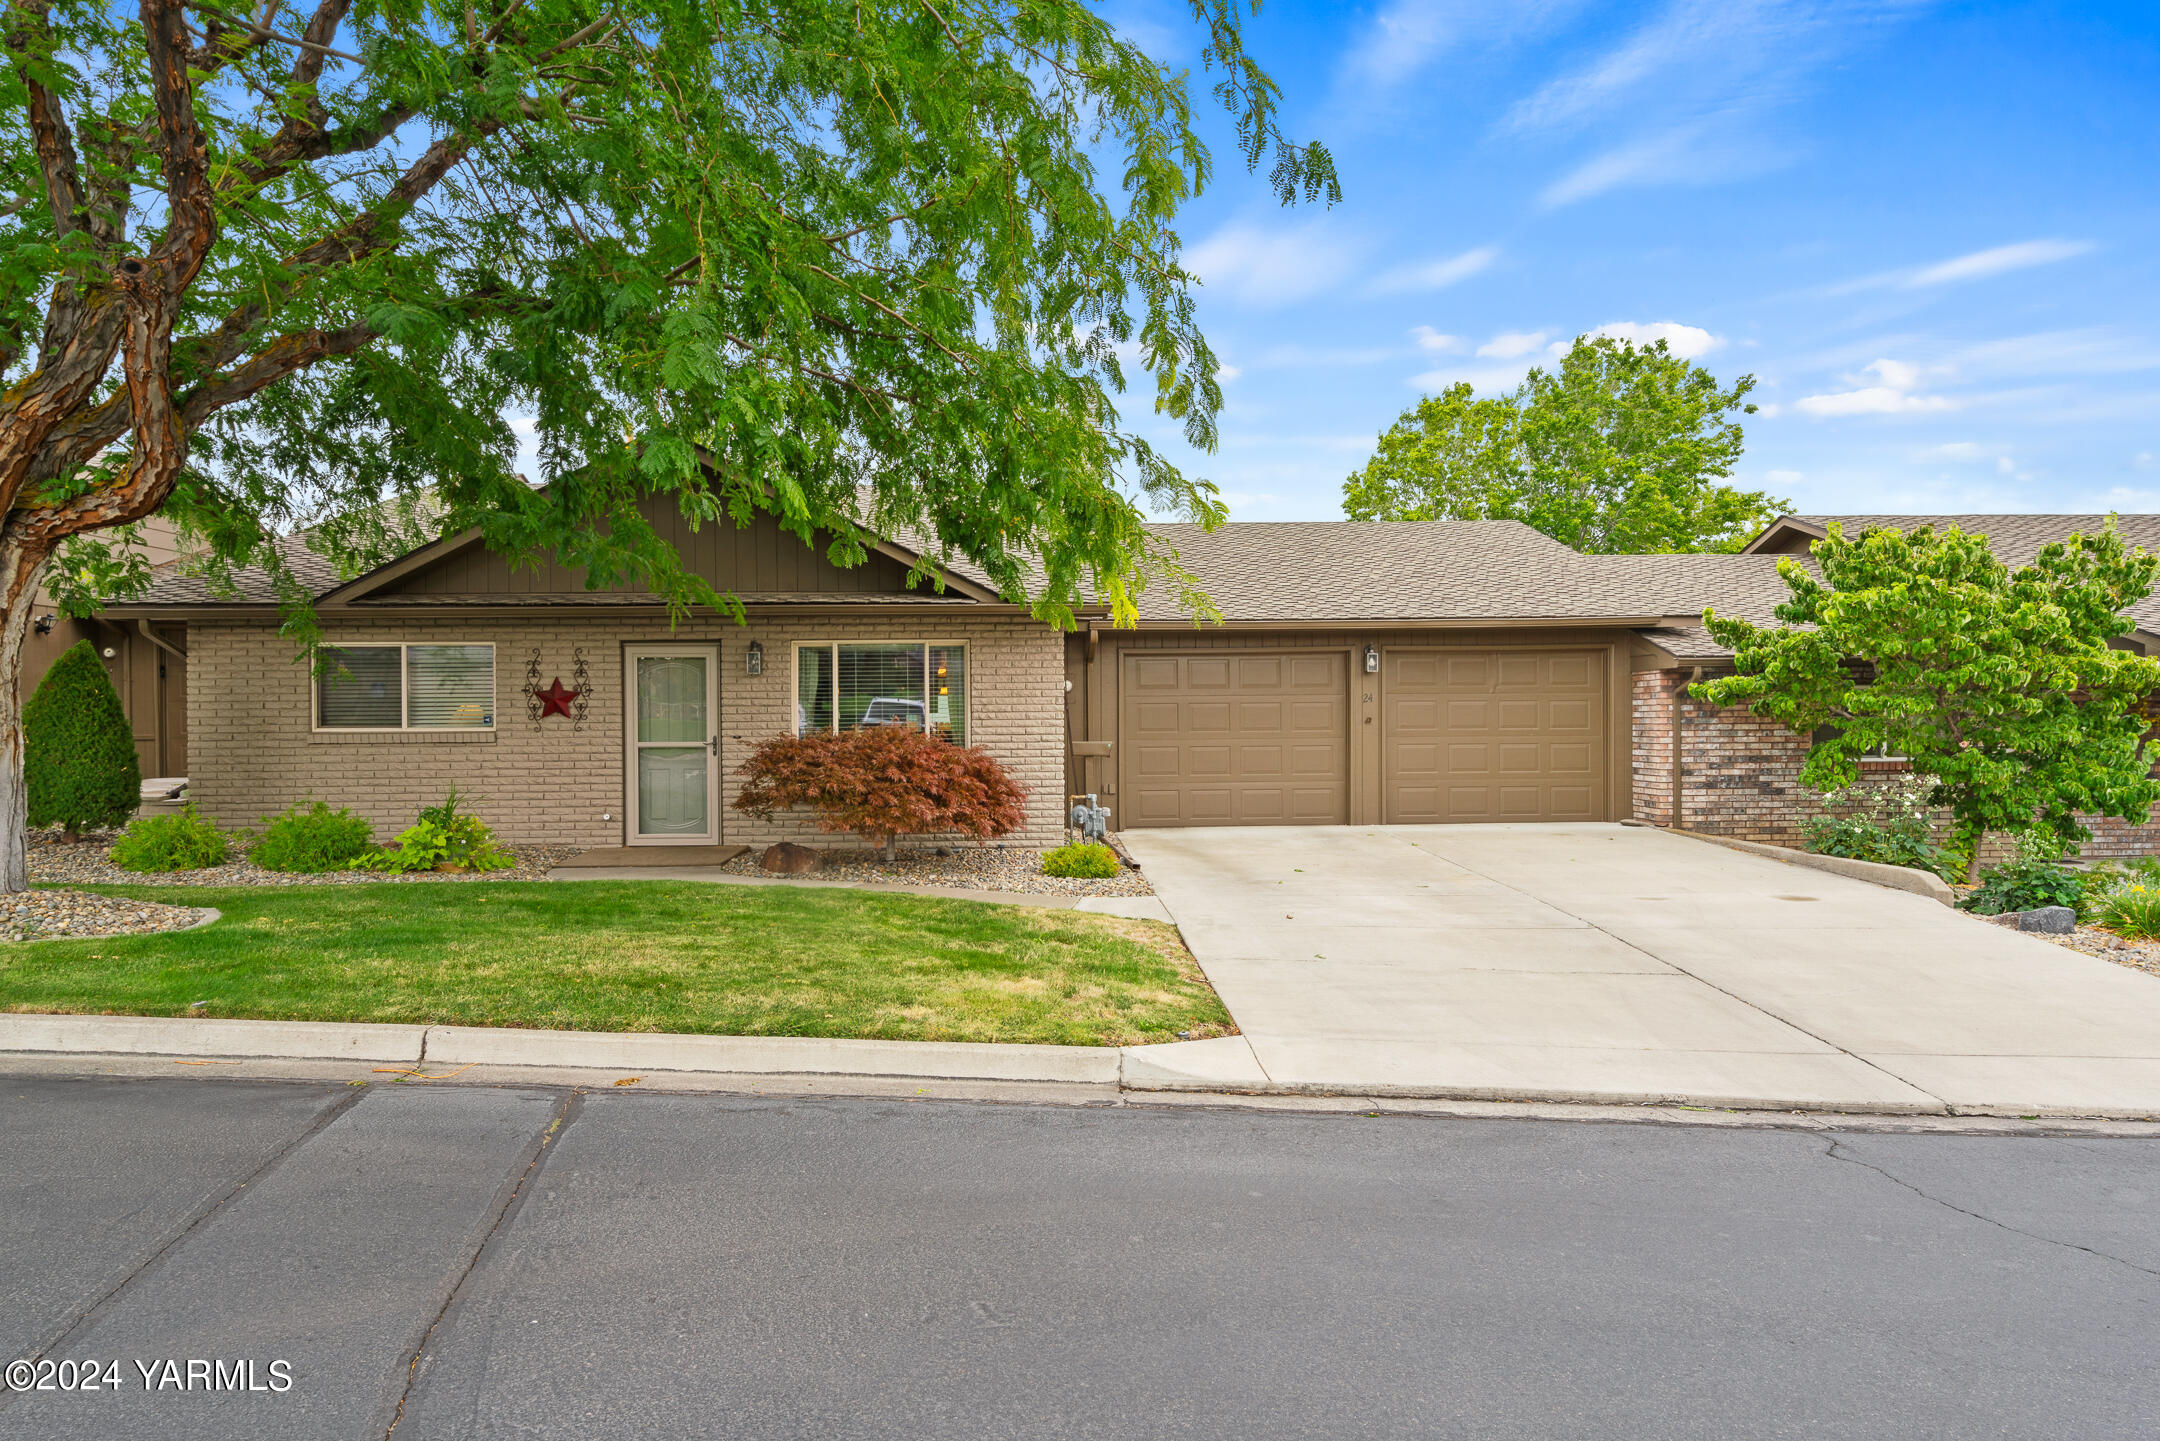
716 747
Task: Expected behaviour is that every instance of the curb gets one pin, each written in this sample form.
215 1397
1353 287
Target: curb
598 1050
1897 878
1222 1067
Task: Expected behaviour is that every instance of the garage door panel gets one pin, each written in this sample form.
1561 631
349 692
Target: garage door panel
1257 739
1522 736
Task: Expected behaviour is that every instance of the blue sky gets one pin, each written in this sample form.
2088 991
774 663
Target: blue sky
1926 229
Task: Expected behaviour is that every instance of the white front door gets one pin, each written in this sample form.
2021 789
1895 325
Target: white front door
672 769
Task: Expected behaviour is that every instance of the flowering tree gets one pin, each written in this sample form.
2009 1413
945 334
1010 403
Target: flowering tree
884 782
1998 686
263 265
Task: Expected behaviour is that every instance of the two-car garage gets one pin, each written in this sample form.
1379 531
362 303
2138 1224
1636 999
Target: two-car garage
1309 735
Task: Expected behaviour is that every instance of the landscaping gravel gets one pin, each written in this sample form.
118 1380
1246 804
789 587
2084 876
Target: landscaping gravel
2093 941
982 868
55 862
43 915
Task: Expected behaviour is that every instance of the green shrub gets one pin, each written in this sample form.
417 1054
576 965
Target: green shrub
183 842
1083 862
443 839
313 839
2132 911
1890 823
79 762
2032 880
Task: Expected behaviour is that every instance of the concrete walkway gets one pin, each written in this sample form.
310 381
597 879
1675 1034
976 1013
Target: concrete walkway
1617 964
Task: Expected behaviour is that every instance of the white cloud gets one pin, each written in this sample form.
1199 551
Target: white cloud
2143 460
1227 373
1685 96
1983 263
1265 268
1511 343
1892 395
1685 341
1403 37
1978 265
1784 477
1435 274
1958 450
1428 338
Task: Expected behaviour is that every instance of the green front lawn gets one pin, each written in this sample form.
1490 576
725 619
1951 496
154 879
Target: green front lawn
636 956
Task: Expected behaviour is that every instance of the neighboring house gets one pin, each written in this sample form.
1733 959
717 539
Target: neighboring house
1364 673
147 661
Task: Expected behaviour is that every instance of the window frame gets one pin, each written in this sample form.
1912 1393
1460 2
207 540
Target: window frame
967 689
404 726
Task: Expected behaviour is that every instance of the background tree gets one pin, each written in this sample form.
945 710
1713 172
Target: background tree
1998 686
1623 448
79 761
260 268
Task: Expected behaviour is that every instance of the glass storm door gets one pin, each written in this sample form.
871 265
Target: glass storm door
674 733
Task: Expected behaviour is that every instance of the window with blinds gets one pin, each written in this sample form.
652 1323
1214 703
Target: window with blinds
406 687
849 685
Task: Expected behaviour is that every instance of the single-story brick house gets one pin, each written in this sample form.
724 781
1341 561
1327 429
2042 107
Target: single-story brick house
1363 672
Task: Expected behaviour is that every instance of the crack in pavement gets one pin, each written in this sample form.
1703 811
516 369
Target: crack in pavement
1835 1152
508 1200
216 1202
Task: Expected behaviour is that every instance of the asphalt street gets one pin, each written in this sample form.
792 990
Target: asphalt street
450 1261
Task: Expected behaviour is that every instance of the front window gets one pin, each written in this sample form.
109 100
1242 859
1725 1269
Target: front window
405 687
847 686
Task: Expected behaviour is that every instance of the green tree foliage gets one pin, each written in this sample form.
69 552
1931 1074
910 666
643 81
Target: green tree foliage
881 261
1623 448
79 751
1997 685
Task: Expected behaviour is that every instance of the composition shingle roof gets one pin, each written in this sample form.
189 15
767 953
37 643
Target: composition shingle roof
2017 539
1357 572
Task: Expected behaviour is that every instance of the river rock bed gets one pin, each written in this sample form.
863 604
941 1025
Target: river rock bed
54 861
50 915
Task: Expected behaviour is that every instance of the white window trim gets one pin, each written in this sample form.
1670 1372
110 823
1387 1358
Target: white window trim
404 649
967 689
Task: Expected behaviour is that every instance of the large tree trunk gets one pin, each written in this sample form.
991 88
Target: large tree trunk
19 570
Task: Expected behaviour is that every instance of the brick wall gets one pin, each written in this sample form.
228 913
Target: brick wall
253 751
1741 776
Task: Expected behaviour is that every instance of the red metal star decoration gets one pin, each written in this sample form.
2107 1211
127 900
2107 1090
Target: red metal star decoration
555 700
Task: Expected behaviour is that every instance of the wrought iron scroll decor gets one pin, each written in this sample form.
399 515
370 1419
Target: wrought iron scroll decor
534 710
573 702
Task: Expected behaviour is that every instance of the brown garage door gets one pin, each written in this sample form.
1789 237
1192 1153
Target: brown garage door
1234 740
1494 735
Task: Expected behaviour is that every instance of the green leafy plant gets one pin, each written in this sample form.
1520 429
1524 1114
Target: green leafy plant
2131 911
311 839
1082 862
444 838
1999 687
883 782
79 758
1619 448
186 841
1888 822
2034 878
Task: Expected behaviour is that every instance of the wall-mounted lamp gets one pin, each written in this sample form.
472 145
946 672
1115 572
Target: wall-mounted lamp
1372 660
43 624
754 658
110 652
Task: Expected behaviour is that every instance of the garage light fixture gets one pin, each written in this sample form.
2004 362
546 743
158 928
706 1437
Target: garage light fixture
754 658
1372 660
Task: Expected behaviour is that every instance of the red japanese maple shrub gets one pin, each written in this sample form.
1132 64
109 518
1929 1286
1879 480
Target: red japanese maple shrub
883 782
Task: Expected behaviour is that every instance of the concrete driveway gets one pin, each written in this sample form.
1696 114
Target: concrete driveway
1616 963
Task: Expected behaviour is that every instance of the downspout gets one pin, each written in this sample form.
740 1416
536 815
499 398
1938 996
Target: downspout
1679 804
